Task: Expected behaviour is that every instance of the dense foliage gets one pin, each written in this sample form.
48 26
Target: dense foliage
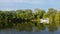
9 19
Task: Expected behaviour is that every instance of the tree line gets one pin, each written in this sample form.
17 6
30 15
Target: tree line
13 17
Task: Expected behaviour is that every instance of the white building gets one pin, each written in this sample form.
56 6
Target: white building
46 20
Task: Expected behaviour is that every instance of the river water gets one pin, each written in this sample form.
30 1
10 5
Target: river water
14 31
29 28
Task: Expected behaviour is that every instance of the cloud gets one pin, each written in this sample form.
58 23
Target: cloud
22 1
17 4
31 1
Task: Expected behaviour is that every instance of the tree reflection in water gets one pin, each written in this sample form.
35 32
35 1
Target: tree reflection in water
29 27
36 27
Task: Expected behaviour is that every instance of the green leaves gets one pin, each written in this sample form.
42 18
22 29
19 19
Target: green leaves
28 15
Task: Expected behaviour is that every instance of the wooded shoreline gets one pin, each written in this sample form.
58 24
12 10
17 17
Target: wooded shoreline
9 18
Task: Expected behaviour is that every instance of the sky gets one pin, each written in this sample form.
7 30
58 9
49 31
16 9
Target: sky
29 4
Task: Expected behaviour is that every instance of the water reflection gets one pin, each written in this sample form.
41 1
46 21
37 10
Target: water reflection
36 27
32 28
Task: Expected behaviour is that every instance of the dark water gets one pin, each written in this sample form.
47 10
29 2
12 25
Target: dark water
14 31
30 28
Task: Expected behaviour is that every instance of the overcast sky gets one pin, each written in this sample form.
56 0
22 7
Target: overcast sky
29 4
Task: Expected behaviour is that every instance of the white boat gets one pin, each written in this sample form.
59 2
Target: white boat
46 20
